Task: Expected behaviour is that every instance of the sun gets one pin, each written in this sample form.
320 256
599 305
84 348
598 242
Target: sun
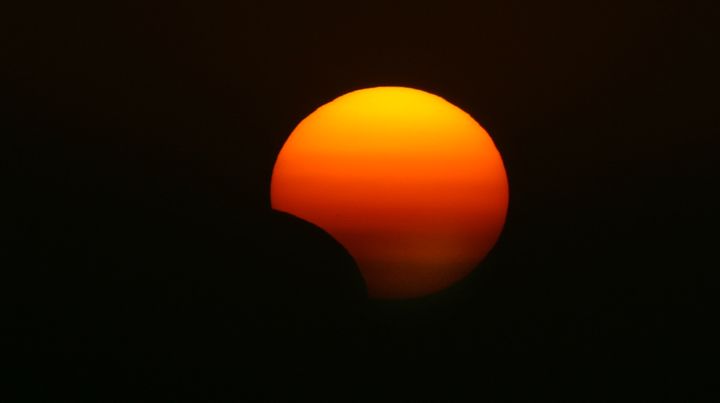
410 184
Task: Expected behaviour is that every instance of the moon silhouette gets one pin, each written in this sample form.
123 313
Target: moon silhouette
410 184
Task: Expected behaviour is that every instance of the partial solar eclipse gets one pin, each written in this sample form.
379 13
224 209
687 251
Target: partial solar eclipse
410 184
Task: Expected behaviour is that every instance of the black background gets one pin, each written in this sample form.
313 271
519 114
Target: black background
141 260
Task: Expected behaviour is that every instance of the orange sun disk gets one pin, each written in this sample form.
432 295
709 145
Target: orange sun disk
410 184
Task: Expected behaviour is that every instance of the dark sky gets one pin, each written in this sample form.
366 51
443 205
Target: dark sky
140 260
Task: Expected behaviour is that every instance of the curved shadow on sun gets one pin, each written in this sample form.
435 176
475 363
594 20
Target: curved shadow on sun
309 263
